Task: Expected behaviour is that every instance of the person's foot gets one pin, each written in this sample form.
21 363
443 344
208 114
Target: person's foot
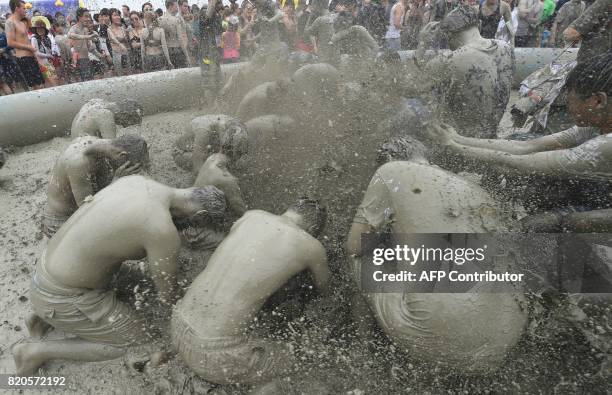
37 327
27 359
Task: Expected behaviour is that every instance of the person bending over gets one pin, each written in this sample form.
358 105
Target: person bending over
468 332
579 157
214 172
69 287
87 166
100 118
470 85
210 134
262 251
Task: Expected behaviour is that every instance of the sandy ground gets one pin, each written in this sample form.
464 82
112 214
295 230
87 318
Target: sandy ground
333 358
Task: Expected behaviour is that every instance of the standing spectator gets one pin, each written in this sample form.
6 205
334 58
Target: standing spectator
176 35
125 15
17 38
98 69
61 39
210 29
8 68
490 13
134 35
594 29
230 41
372 16
505 32
288 27
523 30
439 9
188 18
41 41
60 18
568 13
80 39
247 35
104 42
119 43
396 19
146 7
153 48
414 20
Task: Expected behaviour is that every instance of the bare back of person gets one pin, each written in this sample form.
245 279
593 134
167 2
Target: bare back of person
261 252
91 118
98 237
60 198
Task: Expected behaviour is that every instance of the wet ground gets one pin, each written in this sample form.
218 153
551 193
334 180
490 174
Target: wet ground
329 158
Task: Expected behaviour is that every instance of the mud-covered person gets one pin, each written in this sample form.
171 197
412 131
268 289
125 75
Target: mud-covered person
87 166
210 324
176 35
575 165
207 135
18 39
80 38
215 172
468 332
69 289
99 118
470 85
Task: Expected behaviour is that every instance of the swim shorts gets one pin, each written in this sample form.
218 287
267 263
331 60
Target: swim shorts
50 223
31 70
177 57
94 315
229 360
469 332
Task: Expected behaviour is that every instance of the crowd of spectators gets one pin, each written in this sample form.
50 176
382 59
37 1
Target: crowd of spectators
117 42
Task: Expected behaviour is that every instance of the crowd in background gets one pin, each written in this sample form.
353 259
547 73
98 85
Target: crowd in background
116 42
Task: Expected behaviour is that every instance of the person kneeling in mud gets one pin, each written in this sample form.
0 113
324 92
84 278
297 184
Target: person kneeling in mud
100 118
575 165
261 253
469 332
87 166
214 172
207 135
69 289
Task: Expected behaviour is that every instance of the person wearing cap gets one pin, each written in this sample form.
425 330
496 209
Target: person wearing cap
42 42
468 86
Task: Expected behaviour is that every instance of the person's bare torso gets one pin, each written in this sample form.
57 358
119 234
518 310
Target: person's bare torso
21 35
261 252
81 46
60 200
172 26
107 230
152 40
85 123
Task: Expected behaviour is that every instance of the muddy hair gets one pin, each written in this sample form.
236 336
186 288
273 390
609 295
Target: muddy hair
314 214
592 76
211 199
128 113
135 146
461 18
401 148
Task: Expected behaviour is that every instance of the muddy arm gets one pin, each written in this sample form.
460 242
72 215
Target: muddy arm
106 124
162 250
588 221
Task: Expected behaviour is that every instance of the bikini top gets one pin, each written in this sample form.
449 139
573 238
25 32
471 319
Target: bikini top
151 41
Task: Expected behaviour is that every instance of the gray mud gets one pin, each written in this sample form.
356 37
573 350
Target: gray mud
330 158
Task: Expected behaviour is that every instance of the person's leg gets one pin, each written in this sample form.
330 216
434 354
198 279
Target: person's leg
30 356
